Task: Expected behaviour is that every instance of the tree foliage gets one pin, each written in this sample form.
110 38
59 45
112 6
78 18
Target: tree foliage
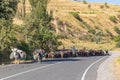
7 36
7 12
8 8
37 32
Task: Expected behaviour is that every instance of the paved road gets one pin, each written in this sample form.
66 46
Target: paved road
80 68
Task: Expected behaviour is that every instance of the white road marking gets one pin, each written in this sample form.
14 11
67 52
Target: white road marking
29 71
84 74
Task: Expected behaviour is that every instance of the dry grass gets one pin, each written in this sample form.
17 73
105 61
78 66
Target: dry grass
117 68
90 45
94 16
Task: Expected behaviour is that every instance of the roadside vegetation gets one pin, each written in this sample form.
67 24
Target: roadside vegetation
119 60
34 33
83 25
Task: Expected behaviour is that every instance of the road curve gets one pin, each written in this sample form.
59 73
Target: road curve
106 69
79 68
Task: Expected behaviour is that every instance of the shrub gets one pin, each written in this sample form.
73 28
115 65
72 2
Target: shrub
109 33
96 27
97 39
59 22
86 25
24 46
117 38
101 6
89 6
118 44
117 30
99 33
113 19
91 30
106 5
119 59
84 1
76 15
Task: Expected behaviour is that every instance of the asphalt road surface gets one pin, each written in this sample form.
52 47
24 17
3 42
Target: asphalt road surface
79 68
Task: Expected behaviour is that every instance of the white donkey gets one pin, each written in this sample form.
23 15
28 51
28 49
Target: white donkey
18 55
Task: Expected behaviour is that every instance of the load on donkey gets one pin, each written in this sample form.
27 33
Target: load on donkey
18 55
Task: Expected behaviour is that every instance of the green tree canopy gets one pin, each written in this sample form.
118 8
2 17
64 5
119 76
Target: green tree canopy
37 28
8 8
7 36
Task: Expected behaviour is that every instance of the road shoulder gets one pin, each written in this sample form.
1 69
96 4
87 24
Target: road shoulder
106 69
116 68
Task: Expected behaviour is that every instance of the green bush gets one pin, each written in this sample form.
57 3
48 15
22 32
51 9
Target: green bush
86 25
118 44
24 46
76 15
119 59
117 30
117 38
113 19
97 39
91 30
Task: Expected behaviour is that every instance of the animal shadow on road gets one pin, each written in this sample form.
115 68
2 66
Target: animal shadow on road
55 60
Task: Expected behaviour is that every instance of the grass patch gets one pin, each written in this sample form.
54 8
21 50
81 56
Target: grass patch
76 15
91 12
119 60
113 19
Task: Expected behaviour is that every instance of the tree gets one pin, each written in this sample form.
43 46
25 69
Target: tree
37 32
84 1
7 37
8 9
106 5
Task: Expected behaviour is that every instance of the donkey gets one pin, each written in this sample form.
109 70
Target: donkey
37 55
18 55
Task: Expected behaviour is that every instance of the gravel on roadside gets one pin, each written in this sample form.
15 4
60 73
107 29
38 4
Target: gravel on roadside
105 71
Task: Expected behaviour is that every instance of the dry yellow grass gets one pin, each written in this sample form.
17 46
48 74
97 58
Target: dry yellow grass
94 16
89 45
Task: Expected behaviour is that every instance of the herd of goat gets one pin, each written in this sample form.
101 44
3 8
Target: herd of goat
39 54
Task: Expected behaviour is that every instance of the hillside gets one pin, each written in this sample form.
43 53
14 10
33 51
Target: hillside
82 24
